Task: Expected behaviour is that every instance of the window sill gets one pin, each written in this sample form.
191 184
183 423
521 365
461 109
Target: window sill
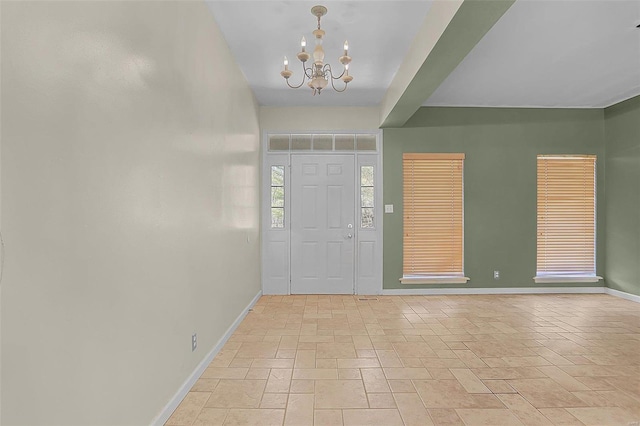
434 280
566 279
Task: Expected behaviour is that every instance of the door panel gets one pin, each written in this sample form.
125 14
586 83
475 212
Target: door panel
322 209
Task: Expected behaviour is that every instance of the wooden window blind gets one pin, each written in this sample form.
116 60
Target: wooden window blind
433 215
566 215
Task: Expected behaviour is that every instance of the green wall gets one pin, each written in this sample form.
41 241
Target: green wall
622 136
501 145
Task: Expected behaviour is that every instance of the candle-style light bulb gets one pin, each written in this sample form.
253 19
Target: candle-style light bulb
303 44
286 63
346 47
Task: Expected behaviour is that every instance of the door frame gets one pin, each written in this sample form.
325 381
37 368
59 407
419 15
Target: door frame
276 242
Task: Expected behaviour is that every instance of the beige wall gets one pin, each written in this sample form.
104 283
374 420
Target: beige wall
292 119
130 205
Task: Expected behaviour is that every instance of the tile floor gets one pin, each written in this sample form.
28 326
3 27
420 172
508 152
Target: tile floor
425 360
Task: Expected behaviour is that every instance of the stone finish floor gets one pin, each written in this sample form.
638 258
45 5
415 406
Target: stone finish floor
425 360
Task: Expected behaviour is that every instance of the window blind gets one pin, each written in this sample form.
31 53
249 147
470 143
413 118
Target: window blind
566 215
433 215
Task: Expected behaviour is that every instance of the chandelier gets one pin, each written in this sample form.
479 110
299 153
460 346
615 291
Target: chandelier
318 73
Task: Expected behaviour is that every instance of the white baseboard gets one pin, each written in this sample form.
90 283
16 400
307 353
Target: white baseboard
622 294
168 409
493 290
510 290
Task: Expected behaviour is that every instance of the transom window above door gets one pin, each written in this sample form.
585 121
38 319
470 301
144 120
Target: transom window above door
323 142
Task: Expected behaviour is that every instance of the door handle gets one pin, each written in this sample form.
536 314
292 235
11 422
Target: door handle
349 235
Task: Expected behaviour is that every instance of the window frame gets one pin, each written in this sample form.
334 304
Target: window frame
361 186
433 277
549 276
272 186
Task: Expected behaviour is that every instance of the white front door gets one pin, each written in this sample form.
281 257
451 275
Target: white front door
322 224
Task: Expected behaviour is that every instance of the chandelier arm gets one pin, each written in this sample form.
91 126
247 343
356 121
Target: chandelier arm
334 86
304 78
308 72
295 87
327 67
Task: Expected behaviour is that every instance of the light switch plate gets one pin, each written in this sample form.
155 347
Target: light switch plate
388 208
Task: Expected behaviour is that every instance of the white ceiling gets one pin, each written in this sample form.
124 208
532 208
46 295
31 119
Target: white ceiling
541 53
551 54
261 33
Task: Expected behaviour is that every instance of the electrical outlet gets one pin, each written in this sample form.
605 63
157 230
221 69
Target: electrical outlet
194 342
496 275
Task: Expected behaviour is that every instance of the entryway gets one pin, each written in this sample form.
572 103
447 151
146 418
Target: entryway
322 214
